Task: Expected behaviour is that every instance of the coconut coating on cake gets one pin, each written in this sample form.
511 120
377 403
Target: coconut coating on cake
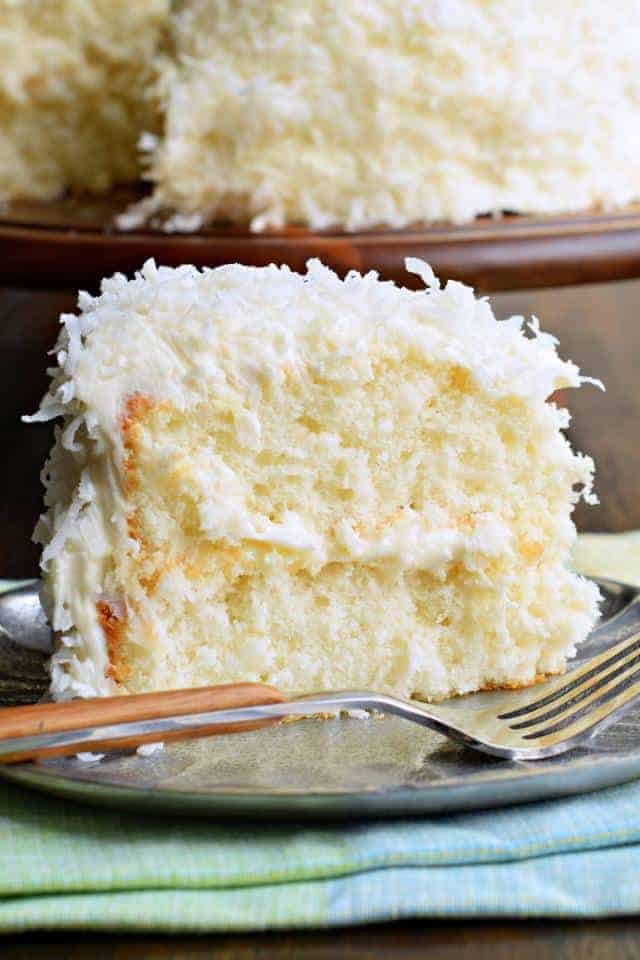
310 482
75 77
339 113
331 113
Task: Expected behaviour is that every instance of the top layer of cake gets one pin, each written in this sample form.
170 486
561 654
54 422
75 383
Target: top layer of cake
313 482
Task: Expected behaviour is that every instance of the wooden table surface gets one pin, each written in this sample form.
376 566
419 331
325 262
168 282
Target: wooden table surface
599 328
418 940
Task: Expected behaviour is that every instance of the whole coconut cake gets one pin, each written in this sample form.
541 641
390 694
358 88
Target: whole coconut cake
311 482
343 113
329 113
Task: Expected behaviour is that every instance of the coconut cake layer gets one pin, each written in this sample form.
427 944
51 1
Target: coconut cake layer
309 482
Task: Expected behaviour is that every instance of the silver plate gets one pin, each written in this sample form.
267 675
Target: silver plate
346 767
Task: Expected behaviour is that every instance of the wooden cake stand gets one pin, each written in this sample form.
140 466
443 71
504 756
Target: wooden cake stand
74 242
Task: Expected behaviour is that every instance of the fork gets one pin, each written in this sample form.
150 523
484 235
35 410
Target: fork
531 724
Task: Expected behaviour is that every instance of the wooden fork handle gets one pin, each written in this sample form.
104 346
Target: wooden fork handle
51 718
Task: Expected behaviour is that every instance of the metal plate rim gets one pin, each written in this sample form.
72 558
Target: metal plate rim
592 774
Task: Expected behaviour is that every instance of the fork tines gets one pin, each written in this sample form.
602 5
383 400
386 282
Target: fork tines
586 697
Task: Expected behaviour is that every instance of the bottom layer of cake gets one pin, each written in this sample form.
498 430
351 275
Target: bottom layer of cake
349 626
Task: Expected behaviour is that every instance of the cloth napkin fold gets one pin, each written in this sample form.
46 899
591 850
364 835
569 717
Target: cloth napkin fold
66 865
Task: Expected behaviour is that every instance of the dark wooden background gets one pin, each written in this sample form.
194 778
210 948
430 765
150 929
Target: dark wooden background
599 328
